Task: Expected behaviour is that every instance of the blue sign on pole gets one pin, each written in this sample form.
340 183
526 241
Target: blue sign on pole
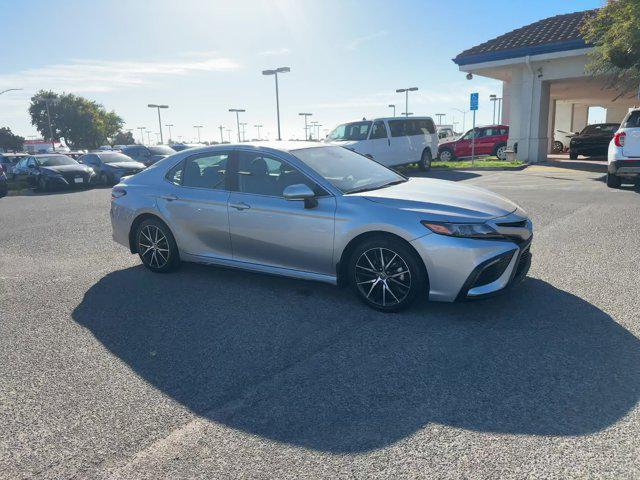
474 102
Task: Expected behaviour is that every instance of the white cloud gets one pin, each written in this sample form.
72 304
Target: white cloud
356 42
272 53
80 76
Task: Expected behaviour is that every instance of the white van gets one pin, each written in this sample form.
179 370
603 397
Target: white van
390 141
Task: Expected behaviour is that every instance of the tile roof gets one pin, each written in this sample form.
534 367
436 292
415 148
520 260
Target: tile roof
558 33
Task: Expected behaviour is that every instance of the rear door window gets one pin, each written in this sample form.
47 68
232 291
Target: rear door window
378 131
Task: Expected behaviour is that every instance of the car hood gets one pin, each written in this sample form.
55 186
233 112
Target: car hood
443 200
67 169
345 143
126 165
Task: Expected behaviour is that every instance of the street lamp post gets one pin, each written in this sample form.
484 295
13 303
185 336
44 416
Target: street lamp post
169 125
493 98
198 127
141 134
10 90
221 127
243 125
394 109
406 97
464 118
499 109
258 127
306 128
47 101
275 74
440 115
313 128
238 110
229 134
148 137
153 105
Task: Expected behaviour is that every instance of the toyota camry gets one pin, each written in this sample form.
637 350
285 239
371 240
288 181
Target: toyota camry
322 212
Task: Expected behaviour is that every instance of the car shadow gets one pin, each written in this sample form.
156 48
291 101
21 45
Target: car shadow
308 365
451 175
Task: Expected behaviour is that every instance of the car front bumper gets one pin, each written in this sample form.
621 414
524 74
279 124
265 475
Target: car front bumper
469 268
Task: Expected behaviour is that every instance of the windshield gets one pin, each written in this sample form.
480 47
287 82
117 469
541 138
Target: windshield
350 131
55 160
115 158
162 150
603 128
348 171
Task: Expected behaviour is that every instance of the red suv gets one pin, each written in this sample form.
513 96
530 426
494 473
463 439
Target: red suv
491 140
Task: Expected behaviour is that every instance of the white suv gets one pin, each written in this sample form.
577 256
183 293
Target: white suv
390 141
624 152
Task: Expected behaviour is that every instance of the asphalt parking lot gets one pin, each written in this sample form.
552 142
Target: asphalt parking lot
110 371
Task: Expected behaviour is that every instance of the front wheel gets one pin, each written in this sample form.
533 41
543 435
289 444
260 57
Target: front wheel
425 161
386 274
445 155
501 151
613 181
156 246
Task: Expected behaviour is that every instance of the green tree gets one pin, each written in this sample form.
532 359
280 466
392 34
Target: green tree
615 32
9 141
82 122
123 138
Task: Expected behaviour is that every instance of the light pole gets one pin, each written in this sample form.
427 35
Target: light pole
221 127
493 98
198 127
169 125
238 110
10 90
499 109
313 128
229 134
406 97
141 134
153 105
440 115
464 118
244 138
394 109
148 137
275 74
406 114
318 125
157 136
48 101
258 127
306 115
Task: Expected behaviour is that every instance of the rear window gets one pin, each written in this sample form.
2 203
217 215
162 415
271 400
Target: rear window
633 120
411 126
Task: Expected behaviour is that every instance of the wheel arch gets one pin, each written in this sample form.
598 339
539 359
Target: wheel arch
341 267
134 228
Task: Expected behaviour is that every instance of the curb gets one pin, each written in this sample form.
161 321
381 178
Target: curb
482 169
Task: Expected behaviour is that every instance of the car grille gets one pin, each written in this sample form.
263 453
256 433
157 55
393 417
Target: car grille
70 177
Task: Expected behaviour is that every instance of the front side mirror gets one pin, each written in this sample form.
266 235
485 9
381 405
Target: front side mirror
301 191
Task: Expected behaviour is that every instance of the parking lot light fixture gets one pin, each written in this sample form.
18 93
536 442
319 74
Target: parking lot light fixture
238 111
406 97
169 125
394 109
440 115
10 90
258 127
275 74
493 98
142 129
158 107
229 134
243 125
306 128
464 118
198 127
221 127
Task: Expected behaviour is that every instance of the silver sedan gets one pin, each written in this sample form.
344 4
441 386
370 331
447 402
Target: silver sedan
322 212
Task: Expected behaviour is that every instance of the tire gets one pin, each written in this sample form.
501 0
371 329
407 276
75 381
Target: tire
391 287
557 147
500 151
154 240
446 155
424 165
573 154
613 181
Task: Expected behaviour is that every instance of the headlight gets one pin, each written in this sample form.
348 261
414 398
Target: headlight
467 230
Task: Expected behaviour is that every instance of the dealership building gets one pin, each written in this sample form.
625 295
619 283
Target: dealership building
545 85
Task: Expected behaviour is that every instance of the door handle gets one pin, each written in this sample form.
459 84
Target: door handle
169 198
240 206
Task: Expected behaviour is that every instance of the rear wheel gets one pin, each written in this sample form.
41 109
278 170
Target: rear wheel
613 181
500 151
445 155
386 274
156 246
425 162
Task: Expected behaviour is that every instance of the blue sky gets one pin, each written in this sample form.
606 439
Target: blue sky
203 57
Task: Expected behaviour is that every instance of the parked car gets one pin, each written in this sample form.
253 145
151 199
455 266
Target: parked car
178 147
105 148
148 155
446 134
593 140
75 154
561 140
49 171
390 141
110 167
624 152
489 140
8 161
321 212
3 183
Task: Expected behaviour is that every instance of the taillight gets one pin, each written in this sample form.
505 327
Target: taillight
618 139
117 192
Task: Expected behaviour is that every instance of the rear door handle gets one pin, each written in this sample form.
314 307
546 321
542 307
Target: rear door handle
169 198
240 206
